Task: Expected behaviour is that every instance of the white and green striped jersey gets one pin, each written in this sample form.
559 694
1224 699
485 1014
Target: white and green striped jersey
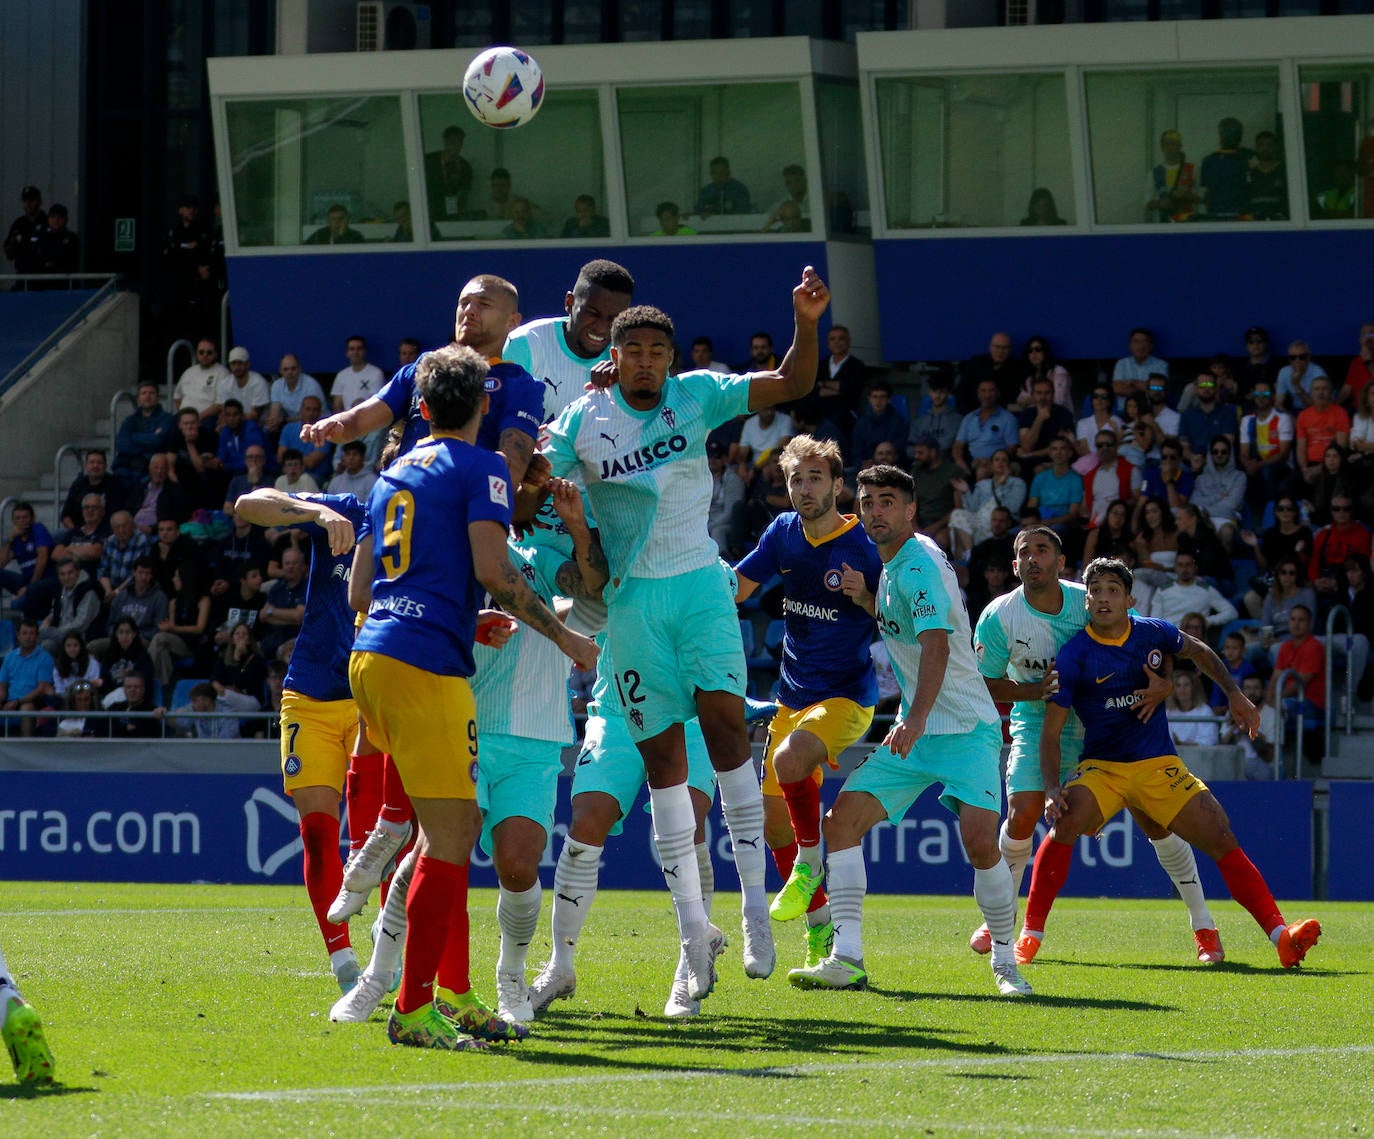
521 689
1018 642
918 592
541 349
645 471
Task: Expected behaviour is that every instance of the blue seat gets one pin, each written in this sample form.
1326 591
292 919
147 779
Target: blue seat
181 694
1267 518
1236 626
1244 569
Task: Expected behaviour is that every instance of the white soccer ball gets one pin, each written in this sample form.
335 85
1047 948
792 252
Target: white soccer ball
503 87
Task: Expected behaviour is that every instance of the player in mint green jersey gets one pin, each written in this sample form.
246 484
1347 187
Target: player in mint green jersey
639 448
1017 641
561 351
947 732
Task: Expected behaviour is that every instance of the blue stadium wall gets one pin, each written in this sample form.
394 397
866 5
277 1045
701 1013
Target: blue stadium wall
309 303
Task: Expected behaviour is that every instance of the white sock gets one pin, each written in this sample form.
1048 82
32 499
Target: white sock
391 939
675 825
706 871
8 990
847 882
1017 852
1176 856
574 889
995 897
518 916
390 827
741 798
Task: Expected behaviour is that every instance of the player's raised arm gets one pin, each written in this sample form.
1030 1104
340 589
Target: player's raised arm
268 506
345 426
508 589
586 575
797 372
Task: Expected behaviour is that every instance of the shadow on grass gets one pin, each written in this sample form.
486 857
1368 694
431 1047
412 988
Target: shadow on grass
41 1091
1239 968
1038 998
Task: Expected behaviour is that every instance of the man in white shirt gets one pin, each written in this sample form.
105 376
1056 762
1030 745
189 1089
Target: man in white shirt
245 385
288 392
763 431
1188 595
1133 372
198 387
359 380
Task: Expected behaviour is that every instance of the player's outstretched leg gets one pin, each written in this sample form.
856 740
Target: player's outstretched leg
575 881
383 972
1017 853
803 879
1048 875
742 803
993 892
22 1031
843 968
1176 858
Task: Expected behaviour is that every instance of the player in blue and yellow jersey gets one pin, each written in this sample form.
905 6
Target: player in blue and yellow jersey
1126 763
436 538
1017 640
947 732
488 309
319 720
639 446
827 688
560 351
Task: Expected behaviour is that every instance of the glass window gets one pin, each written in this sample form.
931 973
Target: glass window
713 159
1338 140
975 150
321 171
485 184
843 172
1182 145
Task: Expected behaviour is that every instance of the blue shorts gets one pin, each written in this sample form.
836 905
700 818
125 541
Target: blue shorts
517 778
967 766
610 763
1023 765
672 637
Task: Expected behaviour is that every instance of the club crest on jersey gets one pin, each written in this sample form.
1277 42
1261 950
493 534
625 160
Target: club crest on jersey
833 578
472 771
637 718
492 384
669 417
528 571
498 489
1154 658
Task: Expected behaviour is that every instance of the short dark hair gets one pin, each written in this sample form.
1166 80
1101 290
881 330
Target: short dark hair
291 453
204 690
454 132
500 172
664 206
768 336
606 275
355 447
360 339
411 341
1040 532
703 340
886 475
1294 608
1109 567
451 381
95 451
641 316
880 386
18 506
496 285
1140 330
145 562
232 402
584 198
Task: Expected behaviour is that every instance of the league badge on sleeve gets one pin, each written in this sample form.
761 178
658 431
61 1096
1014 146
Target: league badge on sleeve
499 490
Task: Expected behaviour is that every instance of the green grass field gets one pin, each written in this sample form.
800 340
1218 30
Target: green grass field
203 1010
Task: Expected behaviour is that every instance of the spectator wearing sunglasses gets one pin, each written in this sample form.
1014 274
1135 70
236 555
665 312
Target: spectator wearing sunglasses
1297 376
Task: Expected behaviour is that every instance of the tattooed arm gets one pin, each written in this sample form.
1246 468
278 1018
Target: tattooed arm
269 507
508 589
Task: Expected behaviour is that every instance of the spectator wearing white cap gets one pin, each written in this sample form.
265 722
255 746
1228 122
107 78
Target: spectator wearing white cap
243 384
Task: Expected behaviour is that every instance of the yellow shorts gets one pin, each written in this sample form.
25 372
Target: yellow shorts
426 722
316 739
838 723
1160 787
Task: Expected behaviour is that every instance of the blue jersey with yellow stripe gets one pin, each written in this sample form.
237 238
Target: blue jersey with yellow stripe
1099 678
825 643
319 662
425 595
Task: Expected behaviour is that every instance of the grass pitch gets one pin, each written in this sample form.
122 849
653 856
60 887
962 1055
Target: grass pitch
203 1010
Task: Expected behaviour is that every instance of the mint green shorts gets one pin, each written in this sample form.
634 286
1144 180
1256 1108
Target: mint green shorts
1023 764
516 777
967 767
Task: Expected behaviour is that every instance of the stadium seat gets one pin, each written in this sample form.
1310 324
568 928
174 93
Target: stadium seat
181 694
1267 518
1237 626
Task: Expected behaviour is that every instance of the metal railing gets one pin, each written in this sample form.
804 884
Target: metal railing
58 496
224 324
1281 726
169 399
1344 614
55 336
121 396
169 723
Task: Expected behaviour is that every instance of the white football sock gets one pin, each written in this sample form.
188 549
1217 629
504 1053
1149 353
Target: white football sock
8 990
391 939
741 798
706 871
574 889
518 915
995 897
1017 852
1176 856
675 825
847 880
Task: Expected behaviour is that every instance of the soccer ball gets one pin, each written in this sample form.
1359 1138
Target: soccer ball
503 87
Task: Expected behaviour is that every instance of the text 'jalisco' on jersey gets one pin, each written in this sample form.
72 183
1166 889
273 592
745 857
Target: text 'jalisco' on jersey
825 644
1016 641
521 689
319 661
1098 679
918 593
425 595
517 400
540 347
646 471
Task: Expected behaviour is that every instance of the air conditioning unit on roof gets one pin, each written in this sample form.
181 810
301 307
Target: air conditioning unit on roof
386 26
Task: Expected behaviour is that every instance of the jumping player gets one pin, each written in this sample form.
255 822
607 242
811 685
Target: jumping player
947 732
436 537
1125 763
1016 641
672 628
830 569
